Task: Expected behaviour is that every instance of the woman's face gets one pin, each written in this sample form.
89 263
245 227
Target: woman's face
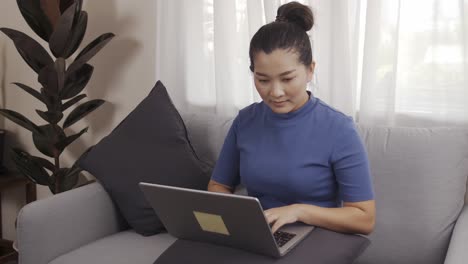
281 80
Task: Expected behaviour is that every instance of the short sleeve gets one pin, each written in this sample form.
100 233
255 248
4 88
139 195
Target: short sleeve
226 170
351 165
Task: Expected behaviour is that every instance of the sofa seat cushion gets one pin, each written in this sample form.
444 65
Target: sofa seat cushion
121 248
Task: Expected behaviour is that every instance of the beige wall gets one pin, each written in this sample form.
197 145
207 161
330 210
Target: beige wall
124 74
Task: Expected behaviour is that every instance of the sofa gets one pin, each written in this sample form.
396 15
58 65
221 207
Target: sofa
419 176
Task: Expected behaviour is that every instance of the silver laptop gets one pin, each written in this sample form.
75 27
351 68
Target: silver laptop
223 219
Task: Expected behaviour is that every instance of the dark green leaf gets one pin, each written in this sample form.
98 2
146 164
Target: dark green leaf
31 91
28 166
70 179
53 102
60 37
35 17
48 78
44 163
81 111
19 119
53 179
64 7
31 51
76 81
89 51
78 32
51 10
66 178
50 116
51 186
61 145
75 169
97 44
52 77
65 4
48 137
73 101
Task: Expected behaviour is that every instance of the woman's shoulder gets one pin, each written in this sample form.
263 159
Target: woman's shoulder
336 119
330 113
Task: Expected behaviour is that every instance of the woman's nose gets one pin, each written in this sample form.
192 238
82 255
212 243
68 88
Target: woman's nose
276 90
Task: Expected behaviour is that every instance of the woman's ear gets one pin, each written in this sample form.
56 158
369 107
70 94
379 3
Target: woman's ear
310 71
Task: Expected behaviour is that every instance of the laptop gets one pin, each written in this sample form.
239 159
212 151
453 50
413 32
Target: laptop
223 219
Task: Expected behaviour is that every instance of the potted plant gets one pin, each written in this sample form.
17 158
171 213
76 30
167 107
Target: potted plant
61 23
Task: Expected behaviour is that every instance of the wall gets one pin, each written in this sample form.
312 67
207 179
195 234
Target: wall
124 74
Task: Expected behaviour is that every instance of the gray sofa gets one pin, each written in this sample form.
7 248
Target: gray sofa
419 176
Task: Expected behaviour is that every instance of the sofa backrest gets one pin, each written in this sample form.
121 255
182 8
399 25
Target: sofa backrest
419 176
206 132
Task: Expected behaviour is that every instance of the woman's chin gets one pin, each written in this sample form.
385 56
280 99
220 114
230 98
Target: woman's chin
280 109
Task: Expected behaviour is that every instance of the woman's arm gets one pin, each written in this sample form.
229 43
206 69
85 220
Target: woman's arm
358 217
226 169
218 187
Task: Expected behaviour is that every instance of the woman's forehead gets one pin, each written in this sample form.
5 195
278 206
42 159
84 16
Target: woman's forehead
277 61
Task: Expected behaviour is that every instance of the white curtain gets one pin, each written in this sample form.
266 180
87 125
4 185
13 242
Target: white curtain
383 62
415 64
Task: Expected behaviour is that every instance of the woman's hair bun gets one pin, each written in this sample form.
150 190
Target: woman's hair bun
296 13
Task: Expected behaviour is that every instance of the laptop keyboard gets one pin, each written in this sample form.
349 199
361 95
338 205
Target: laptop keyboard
282 238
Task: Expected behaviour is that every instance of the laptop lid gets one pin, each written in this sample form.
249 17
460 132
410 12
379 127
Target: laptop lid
226 219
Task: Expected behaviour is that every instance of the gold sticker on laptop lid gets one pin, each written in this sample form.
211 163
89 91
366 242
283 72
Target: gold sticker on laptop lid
211 223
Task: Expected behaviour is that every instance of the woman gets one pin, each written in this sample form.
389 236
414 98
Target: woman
301 158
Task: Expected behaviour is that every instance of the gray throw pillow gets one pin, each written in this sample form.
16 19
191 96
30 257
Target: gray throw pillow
149 145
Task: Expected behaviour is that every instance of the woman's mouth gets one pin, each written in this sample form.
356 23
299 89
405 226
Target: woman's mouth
279 104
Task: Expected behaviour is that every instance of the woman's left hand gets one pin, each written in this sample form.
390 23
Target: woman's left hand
281 216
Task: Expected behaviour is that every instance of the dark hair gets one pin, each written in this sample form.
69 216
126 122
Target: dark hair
288 31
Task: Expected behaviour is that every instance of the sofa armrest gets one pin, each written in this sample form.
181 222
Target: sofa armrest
56 225
457 252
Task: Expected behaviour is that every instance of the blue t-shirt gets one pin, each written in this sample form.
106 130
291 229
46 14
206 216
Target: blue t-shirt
312 155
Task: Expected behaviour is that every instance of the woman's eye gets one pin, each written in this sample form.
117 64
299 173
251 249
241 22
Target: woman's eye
263 81
287 79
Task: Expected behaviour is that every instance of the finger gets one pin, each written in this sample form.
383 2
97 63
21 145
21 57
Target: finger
278 224
271 218
268 212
